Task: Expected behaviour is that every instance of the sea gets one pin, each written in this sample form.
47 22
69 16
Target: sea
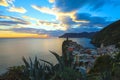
12 50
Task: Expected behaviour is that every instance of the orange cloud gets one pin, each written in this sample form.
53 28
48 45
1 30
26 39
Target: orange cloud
4 3
30 18
51 1
11 34
17 9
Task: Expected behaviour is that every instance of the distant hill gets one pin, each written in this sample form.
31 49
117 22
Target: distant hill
109 35
78 35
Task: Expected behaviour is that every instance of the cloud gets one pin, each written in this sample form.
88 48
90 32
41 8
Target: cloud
4 3
83 29
67 20
30 18
51 33
17 9
47 25
11 3
11 21
51 25
67 14
11 6
43 9
72 5
10 18
54 33
71 18
27 30
64 18
51 1
53 11
94 21
67 5
7 3
82 16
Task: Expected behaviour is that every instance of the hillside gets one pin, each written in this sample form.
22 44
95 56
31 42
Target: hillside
78 35
109 35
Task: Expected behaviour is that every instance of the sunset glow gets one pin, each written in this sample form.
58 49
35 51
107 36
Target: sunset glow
10 34
56 17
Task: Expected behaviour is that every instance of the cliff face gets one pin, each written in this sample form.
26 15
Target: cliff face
109 35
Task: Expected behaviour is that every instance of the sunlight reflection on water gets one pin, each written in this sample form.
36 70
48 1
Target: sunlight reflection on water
12 50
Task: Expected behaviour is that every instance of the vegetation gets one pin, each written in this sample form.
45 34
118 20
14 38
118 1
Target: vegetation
42 70
103 63
105 68
64 72
37 71
109 35
14 73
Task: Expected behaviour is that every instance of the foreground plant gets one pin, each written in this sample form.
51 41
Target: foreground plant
14 73
63 72
36 70
107 67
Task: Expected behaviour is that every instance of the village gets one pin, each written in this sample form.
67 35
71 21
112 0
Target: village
83 59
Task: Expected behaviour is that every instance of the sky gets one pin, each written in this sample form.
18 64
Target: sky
51 18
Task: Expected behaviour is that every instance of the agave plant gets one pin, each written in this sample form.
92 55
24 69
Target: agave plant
60 64
37 71
63 72
14 73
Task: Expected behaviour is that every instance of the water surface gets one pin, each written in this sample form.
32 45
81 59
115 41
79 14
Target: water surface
12 50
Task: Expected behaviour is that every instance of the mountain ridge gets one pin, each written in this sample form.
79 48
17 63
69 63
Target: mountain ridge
78 35
109 35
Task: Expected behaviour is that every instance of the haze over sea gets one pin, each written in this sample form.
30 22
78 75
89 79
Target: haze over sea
12 50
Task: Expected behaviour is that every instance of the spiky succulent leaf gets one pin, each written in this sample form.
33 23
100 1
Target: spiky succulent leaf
25 61
46 62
